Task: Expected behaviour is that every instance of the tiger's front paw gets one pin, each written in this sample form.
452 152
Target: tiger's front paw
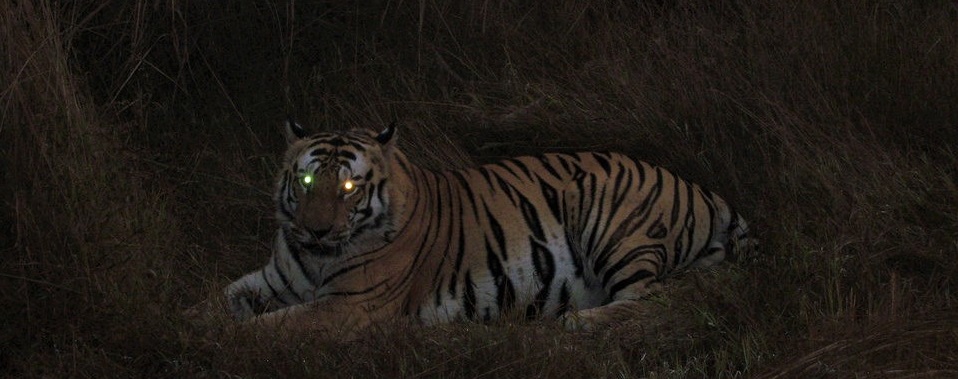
607 315
578 321
202 312
244 304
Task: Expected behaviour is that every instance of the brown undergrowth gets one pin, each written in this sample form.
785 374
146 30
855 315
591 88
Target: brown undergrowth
138 141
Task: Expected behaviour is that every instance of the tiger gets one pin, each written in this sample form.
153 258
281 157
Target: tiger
365 235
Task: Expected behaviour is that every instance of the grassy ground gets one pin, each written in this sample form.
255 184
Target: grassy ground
138 141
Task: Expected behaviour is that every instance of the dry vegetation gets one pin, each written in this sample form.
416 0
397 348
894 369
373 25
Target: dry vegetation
138 141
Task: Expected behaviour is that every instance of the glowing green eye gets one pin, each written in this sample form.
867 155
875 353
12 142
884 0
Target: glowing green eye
307 180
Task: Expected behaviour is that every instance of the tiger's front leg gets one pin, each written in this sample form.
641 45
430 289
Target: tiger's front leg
272 287
249 296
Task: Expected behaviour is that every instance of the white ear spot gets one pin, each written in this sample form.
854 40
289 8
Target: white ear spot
387 134
294 131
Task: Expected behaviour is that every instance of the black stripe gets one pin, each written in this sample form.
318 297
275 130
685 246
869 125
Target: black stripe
623 183
488 177
346 154
544 266
285 280
596 227
366 212
505 292
563 300
552 200
438 294
357 145
336 141
625 260
319 152
710 252
507 168
582 212
522 166
285 196
421 252
574 254
324 140
317 160
657 230
548 167
604 162
641 170
447 248
354 293
405 167
507 188
498 234
632 279
342 271
641 213
294 253
275 294
464 185
532 218
689 230
378 192
460 253
603 256
285 212
676 201
565 165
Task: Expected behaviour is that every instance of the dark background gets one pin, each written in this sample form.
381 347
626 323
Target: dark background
138 142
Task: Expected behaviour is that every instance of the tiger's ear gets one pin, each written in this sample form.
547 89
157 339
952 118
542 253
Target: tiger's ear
387 134
294 131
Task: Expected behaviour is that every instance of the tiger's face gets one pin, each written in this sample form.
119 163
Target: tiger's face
331 193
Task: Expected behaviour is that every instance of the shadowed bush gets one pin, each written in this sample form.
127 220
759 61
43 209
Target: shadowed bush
139 139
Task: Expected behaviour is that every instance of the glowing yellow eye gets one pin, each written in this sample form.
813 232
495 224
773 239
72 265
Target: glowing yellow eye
348 186
307 180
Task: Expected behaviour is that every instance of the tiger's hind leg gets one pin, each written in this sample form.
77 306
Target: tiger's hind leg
622 309
338 318
629 278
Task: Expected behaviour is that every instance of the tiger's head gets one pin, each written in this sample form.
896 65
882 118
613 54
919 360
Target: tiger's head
332 189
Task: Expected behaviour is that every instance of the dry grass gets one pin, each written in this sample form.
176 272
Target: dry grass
138 140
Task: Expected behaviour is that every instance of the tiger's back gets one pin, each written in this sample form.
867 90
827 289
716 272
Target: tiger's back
579 236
